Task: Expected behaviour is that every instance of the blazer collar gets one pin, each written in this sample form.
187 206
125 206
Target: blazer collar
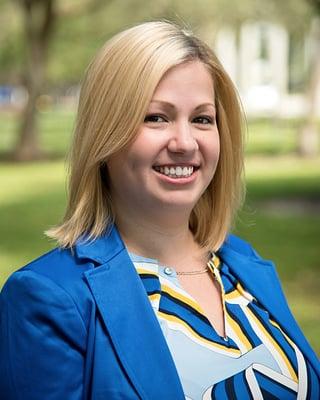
129 318
101 249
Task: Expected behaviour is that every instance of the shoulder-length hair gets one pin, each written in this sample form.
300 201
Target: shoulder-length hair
115 94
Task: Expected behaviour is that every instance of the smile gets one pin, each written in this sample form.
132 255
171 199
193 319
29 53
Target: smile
176 171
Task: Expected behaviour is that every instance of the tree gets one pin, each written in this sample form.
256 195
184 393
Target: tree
38 17
308 144
39 20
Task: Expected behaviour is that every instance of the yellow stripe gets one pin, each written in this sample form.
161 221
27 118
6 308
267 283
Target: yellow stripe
239 292
240 335
216 261
223 294
243 292
213 263
172 318
232 295
276 347
154 296
142 271
181 297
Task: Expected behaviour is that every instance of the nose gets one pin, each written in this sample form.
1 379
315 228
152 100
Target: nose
182 139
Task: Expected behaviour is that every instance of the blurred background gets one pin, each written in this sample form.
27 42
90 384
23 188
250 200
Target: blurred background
270 48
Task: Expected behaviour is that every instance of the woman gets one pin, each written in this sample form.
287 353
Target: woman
147 296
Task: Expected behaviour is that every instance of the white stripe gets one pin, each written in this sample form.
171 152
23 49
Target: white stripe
265 340
302 374
152 268
270 373
253 384
207 394
241 300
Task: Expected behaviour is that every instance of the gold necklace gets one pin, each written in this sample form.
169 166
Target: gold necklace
196 272
208 268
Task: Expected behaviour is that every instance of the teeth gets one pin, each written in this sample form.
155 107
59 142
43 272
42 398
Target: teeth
175 172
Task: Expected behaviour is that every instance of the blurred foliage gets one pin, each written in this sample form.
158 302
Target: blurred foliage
83 26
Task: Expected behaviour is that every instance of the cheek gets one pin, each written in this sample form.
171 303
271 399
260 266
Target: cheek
211 150
143 151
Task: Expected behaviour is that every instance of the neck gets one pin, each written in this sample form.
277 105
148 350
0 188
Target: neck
168 240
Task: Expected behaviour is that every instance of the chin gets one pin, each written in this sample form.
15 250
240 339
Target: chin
178 202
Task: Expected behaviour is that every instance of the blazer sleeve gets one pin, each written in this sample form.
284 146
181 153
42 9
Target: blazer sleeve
42 340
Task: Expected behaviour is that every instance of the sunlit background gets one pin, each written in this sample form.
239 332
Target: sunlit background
270 48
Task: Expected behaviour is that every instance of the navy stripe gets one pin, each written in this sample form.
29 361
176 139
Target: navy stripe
227 345
268 329
268 396
243 328
148 276
187 307
241 386
219 392
230 389
151 292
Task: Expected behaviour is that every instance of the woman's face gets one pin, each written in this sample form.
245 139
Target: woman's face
175 153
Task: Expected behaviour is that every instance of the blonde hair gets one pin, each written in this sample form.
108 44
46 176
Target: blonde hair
116 92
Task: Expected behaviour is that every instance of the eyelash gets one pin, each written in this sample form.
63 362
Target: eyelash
152 118
209 120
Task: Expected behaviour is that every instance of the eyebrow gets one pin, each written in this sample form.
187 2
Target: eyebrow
170 105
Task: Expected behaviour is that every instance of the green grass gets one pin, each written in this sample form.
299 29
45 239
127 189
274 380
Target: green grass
55 127
283 176
32 198
272 136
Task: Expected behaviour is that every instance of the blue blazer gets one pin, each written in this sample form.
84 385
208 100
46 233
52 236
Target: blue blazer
77 324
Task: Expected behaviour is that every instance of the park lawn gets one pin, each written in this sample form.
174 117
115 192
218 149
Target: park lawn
33 198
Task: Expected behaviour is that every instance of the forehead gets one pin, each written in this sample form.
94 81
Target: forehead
189 80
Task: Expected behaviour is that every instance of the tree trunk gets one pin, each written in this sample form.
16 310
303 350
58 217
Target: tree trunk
38 21
308 143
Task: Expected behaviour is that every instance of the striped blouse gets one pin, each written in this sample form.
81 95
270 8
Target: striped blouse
256 359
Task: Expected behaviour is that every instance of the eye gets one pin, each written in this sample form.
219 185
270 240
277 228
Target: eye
203 120
156 118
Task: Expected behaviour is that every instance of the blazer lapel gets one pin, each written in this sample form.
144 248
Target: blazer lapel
132 324
259 277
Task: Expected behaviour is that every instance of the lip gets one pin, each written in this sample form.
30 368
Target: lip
182 164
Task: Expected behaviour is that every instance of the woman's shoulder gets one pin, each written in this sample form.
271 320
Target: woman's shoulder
58 265
57 274
65 268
